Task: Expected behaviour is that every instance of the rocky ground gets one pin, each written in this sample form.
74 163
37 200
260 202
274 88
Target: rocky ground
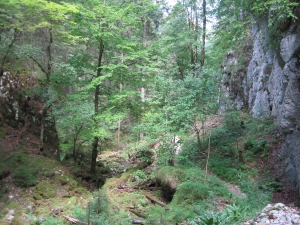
276 214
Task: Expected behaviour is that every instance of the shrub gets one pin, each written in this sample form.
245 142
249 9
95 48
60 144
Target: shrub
97 209
223 168
259 146
189 153
139 176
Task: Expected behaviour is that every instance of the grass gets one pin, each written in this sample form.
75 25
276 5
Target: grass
193 191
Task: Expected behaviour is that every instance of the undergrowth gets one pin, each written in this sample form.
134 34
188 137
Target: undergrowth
193 196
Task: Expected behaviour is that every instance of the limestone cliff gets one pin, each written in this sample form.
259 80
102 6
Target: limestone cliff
271 87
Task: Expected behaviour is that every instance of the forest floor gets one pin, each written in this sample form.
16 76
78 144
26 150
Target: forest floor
61 191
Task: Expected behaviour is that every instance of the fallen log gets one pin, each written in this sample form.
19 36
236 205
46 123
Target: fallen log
138 214
154 200
73 220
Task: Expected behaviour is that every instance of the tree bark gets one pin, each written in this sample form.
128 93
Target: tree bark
48 75
96 104
199 143
76 136
202 60
94 154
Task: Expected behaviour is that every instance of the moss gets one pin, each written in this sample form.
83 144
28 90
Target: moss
24 176
79 190
169 178
191 192
113 182
110 183
3 212
19 221
68 181
72 201
45 190
13 205
37 196
2 132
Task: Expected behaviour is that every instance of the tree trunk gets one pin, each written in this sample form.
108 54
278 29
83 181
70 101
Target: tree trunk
7 52
42 128
199 143
202 60
96 109
94 154
75 139
119 120
48 75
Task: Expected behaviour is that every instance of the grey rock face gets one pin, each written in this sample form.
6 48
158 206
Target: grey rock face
272 86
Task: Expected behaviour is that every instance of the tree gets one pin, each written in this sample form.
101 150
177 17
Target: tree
114 34
45 20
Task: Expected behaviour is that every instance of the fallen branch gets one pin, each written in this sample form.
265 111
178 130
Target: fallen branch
73 220
154 200
138 214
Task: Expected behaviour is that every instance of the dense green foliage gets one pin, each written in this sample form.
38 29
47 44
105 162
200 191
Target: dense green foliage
142 79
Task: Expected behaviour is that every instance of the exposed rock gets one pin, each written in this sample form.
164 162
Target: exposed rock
276 214
10 215
21 113
271 87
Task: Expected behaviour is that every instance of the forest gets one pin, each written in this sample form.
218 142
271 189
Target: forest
124 112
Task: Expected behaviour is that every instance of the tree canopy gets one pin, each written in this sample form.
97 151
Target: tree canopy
141 67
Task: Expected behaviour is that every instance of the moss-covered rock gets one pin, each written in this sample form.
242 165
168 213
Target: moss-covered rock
44 190
69 182
169 178
37 196
191 192
113 182
80 190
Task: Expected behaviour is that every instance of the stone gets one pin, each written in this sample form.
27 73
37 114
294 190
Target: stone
271 86
279 206
288 45
284 216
